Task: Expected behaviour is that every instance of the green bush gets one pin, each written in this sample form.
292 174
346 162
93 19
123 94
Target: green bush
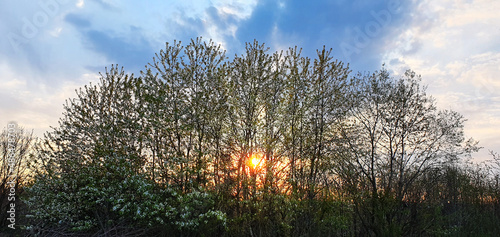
111 197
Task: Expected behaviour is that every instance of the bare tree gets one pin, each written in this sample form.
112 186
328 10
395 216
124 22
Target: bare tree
16 151
395 134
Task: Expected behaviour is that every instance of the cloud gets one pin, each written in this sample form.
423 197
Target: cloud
77 21
132 54
454 46
57 53
80 3
105 4
220 22
334 24
35 105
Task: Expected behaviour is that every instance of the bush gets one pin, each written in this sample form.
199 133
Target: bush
111 198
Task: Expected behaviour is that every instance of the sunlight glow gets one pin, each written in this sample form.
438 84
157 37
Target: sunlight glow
254 161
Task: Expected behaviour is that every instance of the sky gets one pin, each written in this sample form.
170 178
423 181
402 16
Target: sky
50 48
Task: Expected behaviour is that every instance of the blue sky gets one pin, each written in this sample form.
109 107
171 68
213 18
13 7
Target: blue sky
49 48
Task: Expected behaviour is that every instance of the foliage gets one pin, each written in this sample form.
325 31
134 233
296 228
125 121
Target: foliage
263 144
116 202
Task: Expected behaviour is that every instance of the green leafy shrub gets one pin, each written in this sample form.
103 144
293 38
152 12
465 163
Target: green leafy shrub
112 197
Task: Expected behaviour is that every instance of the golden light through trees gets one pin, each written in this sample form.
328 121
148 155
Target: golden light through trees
255 161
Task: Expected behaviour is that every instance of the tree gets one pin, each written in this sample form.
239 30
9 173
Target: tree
96 181
16 151
395 134
256 145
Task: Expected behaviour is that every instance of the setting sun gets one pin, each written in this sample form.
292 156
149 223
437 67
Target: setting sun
254 161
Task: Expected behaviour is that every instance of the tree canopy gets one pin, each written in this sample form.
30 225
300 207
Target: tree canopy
262 144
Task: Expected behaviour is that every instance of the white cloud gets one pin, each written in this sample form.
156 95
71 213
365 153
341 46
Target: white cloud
56 32
169 20
239 8
454 46
80 3
39 106
236 9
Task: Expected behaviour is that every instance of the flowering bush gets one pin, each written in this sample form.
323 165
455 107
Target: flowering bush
111 197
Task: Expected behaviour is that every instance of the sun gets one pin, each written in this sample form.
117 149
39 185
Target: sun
255 161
